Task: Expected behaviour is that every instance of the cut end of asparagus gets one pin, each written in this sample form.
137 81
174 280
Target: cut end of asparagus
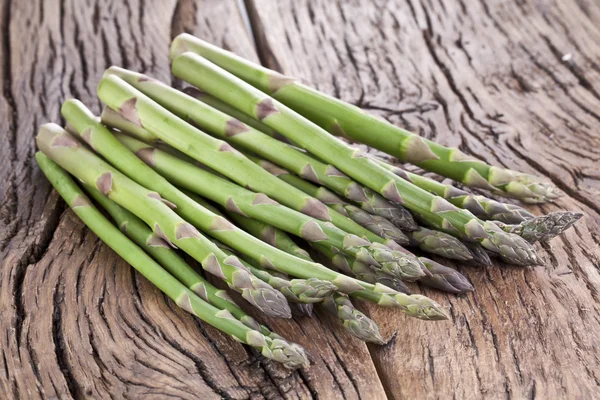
180 45
445 278
545 227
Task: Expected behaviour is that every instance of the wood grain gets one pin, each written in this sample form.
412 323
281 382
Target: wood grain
488 76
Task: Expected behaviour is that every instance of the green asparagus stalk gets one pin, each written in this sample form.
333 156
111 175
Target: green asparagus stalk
218 105
262 208
311 290
414 305
355 322
445 278
267 233
343 119
341 262
276 348
429 240
59 145
380 227
352 267
235 131
480 206
155 211
112 118
216 154
141 234
100 139
436 210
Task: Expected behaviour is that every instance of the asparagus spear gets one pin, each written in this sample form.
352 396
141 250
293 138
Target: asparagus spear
439 243
260 207
99 138
544 227
141 234
59 145
514 219
445 278
311 290
381 227
344 263
432 241
155 211
480 255
436 210
221 106
273 347
217 154
267 233
282 282
259 229
480 206
343 119
114 119
355 322
233 130
352 267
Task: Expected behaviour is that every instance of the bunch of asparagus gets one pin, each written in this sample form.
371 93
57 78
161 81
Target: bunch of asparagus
229 168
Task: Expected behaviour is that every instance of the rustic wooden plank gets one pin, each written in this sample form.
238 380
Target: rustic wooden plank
491 78
77 321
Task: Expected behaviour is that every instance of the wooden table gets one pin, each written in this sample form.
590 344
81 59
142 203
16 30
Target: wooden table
516 83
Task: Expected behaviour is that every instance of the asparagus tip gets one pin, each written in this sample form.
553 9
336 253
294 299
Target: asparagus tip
445 278
291 355
269 301
545 227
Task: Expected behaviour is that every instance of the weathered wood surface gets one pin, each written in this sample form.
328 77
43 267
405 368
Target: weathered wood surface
488 76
